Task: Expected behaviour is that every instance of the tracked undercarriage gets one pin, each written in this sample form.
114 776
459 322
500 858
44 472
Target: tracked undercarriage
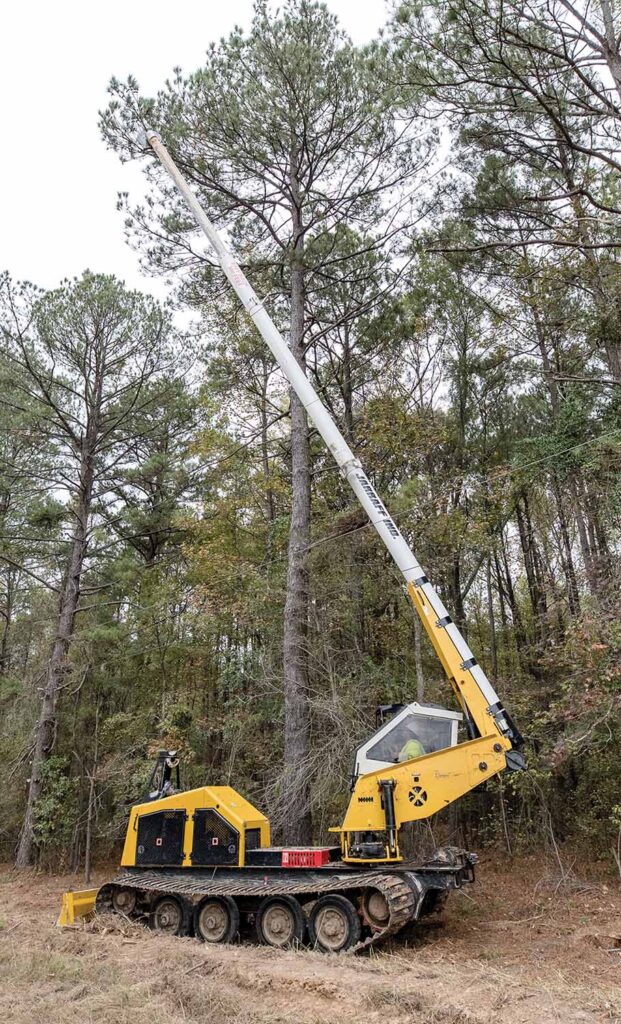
334 909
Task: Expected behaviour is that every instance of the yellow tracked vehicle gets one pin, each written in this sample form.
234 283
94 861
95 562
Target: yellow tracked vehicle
202 860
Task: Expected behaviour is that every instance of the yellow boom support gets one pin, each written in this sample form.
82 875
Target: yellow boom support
425 785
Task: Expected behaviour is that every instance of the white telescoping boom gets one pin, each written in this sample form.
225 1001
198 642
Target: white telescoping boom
353 472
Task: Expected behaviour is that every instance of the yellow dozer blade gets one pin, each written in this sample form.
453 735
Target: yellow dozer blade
76 904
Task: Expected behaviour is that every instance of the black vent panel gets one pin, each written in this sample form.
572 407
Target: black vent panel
215 840
160 838
253 838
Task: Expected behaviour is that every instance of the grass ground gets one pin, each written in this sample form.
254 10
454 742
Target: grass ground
517 949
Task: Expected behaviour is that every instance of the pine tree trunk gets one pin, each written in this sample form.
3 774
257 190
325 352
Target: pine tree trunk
516 616
501 592
492 620
347 388
529 552
7 617
57 665
270 507
573 595
611 49
594 503
567 560
456 594
298 825
583 533
91 803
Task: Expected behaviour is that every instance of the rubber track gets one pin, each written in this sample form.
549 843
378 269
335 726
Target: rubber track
402 896
403 904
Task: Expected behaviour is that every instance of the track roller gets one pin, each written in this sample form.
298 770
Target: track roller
280 922
124 901
170 915
375 909
216 919
333 925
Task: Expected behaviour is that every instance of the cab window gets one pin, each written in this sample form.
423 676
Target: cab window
433 733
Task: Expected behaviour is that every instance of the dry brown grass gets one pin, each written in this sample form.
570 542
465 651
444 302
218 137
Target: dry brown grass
482 966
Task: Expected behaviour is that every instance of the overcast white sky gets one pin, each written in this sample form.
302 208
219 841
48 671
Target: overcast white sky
59 183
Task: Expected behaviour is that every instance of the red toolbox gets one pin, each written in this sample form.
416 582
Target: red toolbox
305 857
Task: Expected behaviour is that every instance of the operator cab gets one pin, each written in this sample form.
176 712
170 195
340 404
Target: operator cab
433 727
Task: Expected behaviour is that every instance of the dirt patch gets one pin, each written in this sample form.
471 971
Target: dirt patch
514 950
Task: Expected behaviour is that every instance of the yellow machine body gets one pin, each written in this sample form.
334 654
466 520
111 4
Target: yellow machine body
230 805
424 785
